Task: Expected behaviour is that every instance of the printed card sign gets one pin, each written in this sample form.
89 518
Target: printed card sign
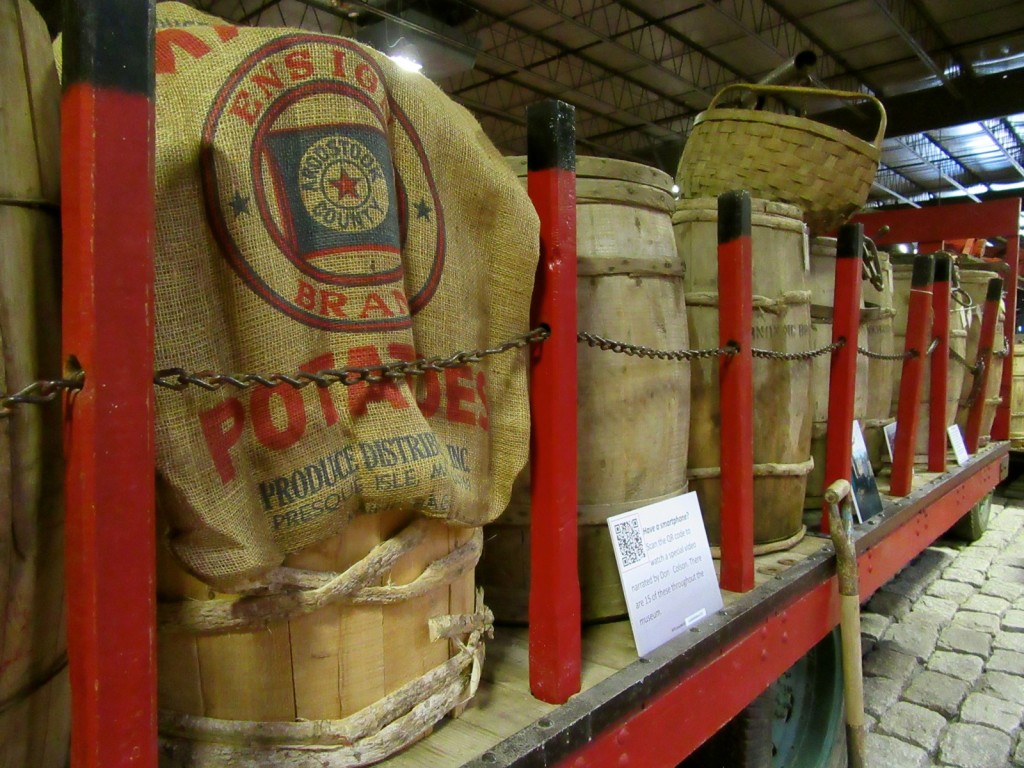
866 501
665 566
890 438
956 439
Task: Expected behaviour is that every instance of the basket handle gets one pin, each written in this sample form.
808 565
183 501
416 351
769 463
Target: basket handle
795 90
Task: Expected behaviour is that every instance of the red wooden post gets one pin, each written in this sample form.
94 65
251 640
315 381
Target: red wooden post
913 373
843 372
1001 425
555 643
939 363
735 321
107 198
989 319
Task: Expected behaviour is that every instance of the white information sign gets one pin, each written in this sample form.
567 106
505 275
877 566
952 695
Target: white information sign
956 439
665 566
890 437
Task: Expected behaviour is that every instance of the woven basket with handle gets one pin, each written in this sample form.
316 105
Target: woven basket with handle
825 171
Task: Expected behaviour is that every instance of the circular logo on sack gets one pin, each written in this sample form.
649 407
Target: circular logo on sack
317 186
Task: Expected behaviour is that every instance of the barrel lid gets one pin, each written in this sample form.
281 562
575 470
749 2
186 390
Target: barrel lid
824 247
979 276
615 191
589 167
757 206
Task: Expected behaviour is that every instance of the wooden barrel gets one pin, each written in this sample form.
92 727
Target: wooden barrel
821 280
877 319
974 282
781 323
357 652
633 416
1017 395
34 692
958 320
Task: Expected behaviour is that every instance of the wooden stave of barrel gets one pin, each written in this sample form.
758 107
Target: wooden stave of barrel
324 666
1016 433
34 686
782 419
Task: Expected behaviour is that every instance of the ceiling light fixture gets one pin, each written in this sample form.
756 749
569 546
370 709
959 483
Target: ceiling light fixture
997 187
406 56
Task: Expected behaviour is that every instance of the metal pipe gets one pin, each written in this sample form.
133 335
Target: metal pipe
793 70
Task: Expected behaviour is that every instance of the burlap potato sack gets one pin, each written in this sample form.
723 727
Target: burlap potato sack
320 208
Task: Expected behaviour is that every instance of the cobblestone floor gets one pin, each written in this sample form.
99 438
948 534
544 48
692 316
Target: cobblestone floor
944 654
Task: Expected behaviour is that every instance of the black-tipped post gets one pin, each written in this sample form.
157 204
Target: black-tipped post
850 243
551 136
924 271
995 289
943 268
733 216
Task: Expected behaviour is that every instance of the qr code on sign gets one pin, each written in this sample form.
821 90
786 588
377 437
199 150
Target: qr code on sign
630 542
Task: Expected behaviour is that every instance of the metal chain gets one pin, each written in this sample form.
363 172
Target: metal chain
979 368
39 392
880 356
768 354
871 269
179 379
910 353
974 370
636 350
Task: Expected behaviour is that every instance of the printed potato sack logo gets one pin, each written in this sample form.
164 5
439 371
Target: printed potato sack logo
326 193
318 208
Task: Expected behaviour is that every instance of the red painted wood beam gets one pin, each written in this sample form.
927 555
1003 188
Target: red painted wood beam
107 199
843 371
880 562
992 218
986 339
735 327
670 725
917 340
939 363
1001 425
554 612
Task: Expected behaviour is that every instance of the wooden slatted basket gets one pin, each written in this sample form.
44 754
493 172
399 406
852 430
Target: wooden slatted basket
825 171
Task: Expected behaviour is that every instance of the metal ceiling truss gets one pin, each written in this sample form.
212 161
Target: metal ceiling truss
1007 141
901 185
763 22
930 153
640 104
922 35
894 194
637 35
726 72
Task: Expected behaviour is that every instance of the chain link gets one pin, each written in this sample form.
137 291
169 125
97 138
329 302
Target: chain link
39 392
910 353
769 354
179 379
636 350
974 370
978 369
881 356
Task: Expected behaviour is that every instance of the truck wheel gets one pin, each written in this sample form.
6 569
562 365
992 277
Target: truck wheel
971 526
796 723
